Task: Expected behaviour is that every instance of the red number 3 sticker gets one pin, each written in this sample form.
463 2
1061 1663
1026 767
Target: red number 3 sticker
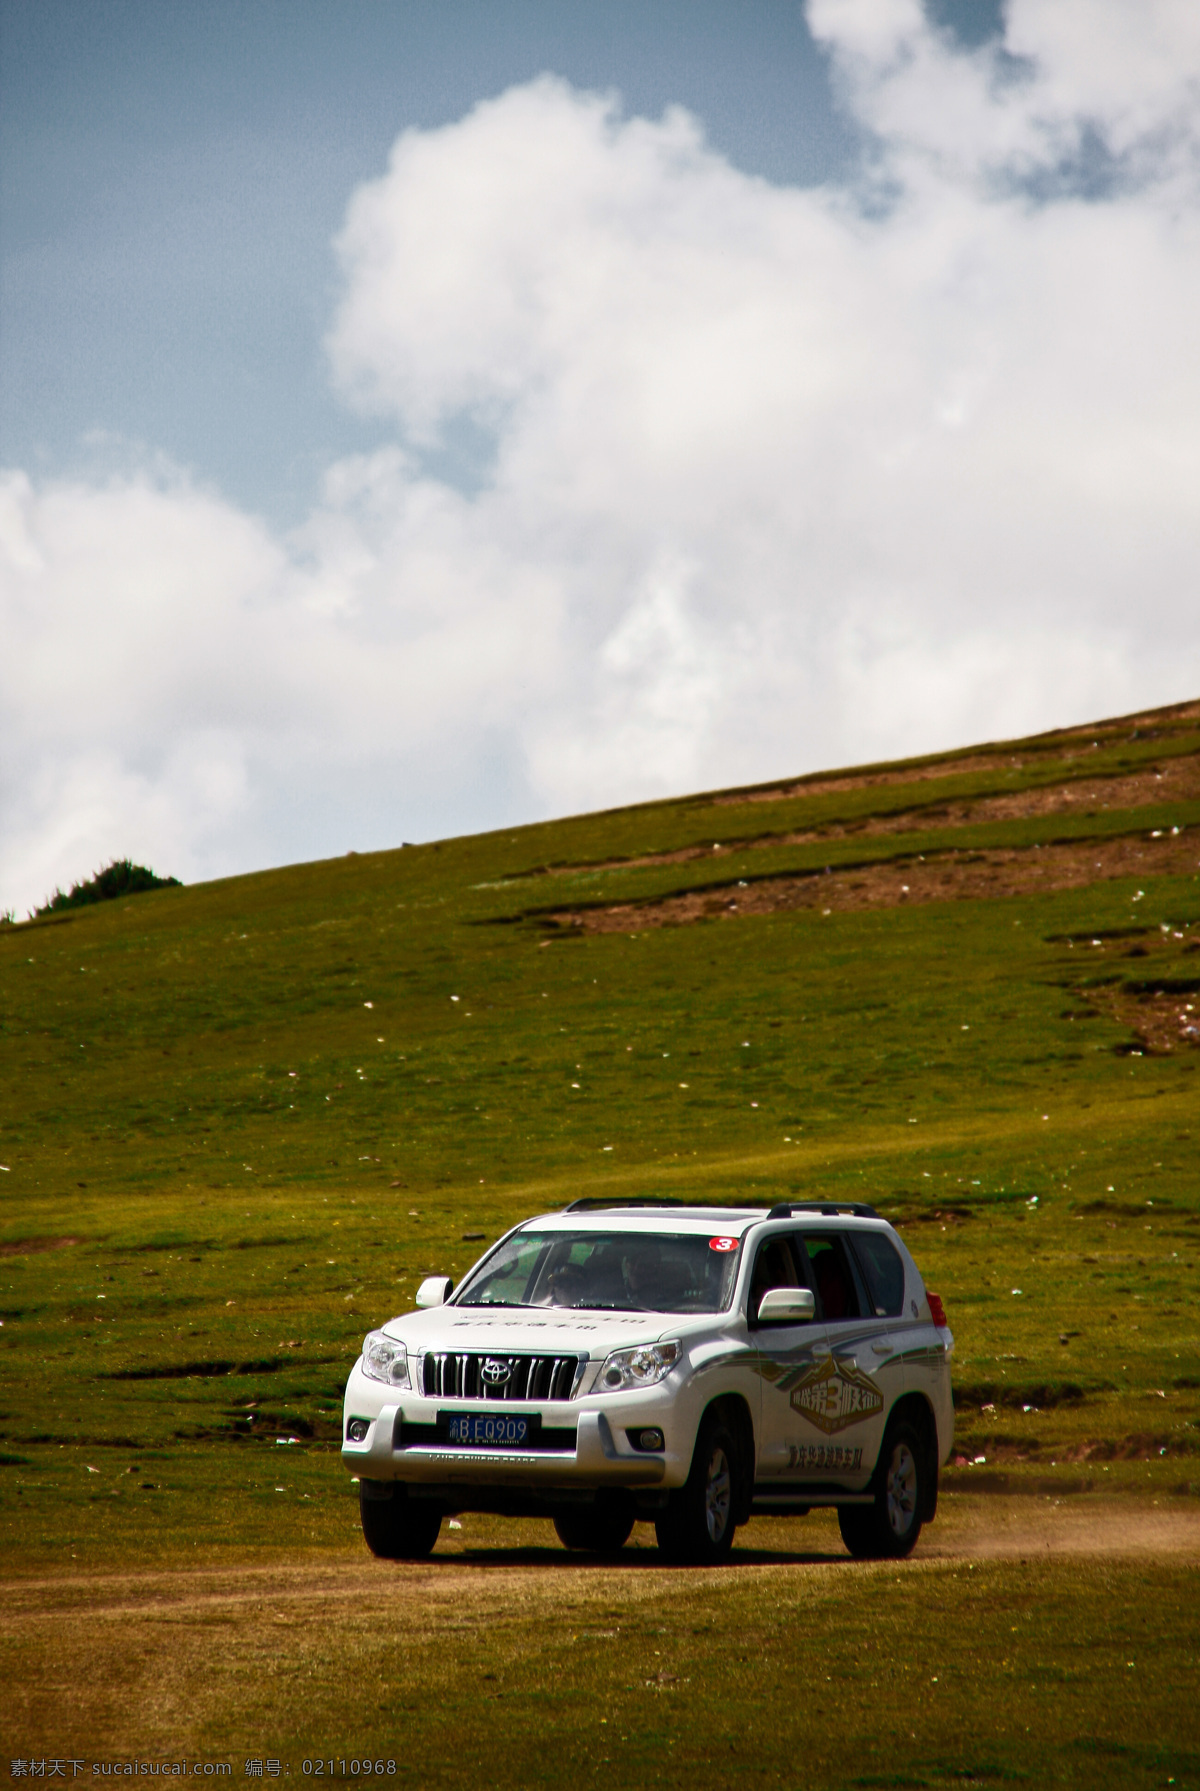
722 1243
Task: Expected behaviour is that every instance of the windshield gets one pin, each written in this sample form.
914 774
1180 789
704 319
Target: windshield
607 1272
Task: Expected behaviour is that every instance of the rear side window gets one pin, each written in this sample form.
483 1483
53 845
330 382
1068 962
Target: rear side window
832 1275
883 1272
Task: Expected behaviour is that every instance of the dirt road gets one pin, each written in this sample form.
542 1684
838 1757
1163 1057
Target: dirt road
505 1649
520 1565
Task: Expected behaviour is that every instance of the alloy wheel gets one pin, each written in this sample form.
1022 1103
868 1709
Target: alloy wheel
718 1492
902 1490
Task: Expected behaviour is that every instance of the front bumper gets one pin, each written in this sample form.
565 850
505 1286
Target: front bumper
596 1461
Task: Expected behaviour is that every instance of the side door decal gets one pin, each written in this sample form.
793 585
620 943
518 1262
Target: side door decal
835 1393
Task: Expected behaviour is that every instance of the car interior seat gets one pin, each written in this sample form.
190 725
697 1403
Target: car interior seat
836 1298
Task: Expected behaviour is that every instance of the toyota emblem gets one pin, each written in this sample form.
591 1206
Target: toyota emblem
495 1372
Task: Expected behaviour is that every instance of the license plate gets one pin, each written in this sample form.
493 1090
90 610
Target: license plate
488 1430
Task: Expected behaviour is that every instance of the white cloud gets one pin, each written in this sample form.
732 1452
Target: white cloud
780 477
1126 76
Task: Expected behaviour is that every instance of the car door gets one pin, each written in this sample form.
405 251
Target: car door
783 1352
841 1403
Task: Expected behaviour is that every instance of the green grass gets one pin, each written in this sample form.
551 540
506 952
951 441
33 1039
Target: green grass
240 1122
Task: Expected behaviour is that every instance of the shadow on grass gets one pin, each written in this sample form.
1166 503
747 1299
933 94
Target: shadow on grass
630 1560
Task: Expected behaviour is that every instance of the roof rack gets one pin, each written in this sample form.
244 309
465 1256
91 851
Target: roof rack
831 1208
594 1202
588 1201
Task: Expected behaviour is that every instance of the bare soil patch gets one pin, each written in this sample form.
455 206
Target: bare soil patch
944 877
1144 726
990 1529
29 1246
1174 780
820 785
1162 1021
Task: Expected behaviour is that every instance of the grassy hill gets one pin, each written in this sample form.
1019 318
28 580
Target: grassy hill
239 1122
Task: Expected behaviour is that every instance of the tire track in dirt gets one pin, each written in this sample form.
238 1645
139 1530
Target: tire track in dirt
490 1581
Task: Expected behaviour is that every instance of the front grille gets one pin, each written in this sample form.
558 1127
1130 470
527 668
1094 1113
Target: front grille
456 1375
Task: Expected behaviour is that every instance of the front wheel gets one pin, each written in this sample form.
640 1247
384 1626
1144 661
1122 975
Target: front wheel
597 1530
698 1524
888 1528
397 1528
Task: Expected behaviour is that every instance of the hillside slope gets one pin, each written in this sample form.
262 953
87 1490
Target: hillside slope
240 1121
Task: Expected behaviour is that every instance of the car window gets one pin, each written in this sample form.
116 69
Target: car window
832 1275
774 1266
607 1271
505 1277
883 1272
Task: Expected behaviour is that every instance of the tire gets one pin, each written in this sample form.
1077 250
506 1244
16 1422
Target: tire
596 1529
398 1529
698 1525
888 1528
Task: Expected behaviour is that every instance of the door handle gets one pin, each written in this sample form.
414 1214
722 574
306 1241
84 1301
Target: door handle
883 1347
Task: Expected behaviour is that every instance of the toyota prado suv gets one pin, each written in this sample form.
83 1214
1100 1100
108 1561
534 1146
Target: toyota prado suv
687 1366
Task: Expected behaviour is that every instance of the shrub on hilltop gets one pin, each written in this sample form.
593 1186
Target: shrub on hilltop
120 878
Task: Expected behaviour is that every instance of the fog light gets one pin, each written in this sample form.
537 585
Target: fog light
649 1441
357 1430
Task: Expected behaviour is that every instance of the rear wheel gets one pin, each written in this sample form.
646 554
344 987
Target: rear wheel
397 1528
888 1528
698 1524
596 1529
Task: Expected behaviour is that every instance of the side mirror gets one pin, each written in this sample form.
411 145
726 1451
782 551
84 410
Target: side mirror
785 1306
435 1290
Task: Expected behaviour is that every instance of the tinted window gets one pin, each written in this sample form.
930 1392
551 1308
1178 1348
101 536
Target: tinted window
883 1272
832 1276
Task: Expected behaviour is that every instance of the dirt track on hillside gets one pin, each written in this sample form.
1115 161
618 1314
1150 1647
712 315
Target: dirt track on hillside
1066 747
1175 780
904 882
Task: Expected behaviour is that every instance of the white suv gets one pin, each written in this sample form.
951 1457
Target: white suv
688 1365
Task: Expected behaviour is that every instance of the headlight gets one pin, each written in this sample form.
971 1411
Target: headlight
384 1360
640 1367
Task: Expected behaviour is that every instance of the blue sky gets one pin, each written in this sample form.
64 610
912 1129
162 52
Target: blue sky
172 177
415 419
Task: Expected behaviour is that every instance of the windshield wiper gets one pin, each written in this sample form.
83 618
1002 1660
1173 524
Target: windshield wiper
512 1304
